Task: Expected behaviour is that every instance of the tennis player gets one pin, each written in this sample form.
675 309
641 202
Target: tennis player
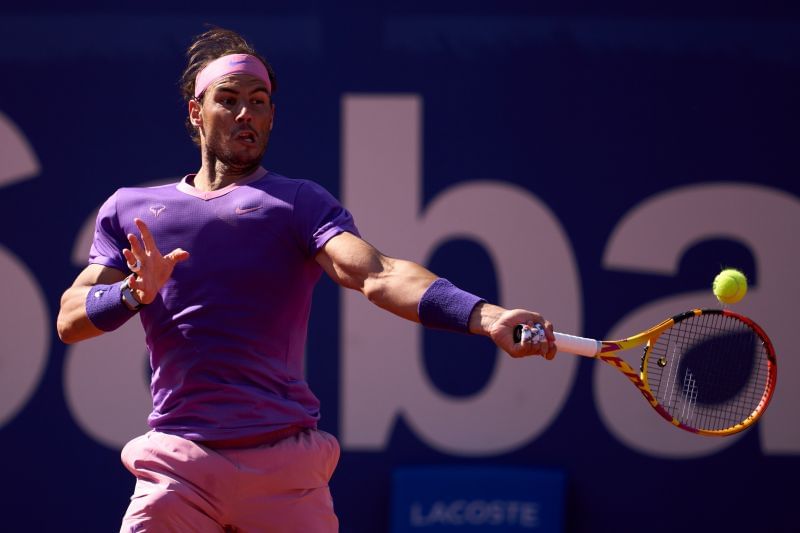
234 444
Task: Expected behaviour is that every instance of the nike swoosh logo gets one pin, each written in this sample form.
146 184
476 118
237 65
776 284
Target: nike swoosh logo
239 62
240 211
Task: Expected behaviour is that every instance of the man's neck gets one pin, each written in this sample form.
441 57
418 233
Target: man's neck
215 175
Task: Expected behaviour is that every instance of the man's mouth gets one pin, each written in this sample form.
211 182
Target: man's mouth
246 136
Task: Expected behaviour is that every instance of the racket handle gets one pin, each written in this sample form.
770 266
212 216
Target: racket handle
568 343
577 345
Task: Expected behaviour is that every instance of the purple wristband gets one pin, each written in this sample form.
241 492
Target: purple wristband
105 307
445 306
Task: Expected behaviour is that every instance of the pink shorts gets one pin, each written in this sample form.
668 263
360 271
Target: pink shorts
182 486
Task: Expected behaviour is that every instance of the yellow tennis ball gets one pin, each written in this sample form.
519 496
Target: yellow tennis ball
730 286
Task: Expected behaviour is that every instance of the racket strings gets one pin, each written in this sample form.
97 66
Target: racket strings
709 371
737 392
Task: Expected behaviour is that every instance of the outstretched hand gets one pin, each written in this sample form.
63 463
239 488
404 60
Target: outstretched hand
500 328
151 269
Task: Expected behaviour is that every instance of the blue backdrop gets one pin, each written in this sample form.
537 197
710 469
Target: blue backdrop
612 125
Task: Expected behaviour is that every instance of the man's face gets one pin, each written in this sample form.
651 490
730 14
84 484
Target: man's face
234 120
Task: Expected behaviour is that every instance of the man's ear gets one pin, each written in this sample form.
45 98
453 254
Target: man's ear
272 118
195 115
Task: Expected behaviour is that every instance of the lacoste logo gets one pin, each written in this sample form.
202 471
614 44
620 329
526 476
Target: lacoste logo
243 210
157 209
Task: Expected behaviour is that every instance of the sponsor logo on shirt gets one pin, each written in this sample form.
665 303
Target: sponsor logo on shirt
243 210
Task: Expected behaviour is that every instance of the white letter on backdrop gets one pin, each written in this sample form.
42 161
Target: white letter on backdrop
763 219
383 374
25 331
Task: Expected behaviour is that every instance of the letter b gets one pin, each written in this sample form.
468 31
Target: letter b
383 376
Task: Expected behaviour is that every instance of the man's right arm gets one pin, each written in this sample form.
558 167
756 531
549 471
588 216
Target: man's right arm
152 272
73 323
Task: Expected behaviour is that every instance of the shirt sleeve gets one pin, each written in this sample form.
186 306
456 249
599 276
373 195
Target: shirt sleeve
319 217
109 238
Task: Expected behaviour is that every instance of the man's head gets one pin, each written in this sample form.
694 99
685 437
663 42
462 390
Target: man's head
228 88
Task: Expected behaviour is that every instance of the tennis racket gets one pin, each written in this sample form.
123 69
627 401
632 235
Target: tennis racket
707 371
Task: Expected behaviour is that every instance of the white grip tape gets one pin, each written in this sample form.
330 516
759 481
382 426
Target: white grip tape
577 345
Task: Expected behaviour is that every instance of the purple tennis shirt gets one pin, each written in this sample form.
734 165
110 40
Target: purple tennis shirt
227 332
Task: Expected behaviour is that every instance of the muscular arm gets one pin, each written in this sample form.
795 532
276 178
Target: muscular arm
392 284
73 324
397 286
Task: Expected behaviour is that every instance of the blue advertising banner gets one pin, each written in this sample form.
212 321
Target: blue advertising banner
599 166
442 499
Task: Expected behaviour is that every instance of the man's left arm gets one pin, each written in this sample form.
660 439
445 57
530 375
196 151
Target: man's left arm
398 285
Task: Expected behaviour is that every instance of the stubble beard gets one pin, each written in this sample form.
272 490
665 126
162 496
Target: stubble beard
218 153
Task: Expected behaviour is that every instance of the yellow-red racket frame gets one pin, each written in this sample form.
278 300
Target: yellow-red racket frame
639 378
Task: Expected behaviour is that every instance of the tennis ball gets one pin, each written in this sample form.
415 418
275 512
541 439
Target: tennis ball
730 286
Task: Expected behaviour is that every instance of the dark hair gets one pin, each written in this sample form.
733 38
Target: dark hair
205 48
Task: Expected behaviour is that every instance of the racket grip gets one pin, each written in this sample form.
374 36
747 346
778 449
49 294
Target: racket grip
577 345
569 343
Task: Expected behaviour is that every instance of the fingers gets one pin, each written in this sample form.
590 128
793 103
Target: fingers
177 255
146 247
137 249
145 260
550 352
537 337
147 237
134 264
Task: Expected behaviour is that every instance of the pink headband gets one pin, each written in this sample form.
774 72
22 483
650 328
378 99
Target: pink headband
230 64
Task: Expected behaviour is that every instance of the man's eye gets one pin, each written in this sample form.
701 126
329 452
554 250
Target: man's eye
229 101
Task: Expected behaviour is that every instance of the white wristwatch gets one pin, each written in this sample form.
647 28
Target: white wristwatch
128 298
